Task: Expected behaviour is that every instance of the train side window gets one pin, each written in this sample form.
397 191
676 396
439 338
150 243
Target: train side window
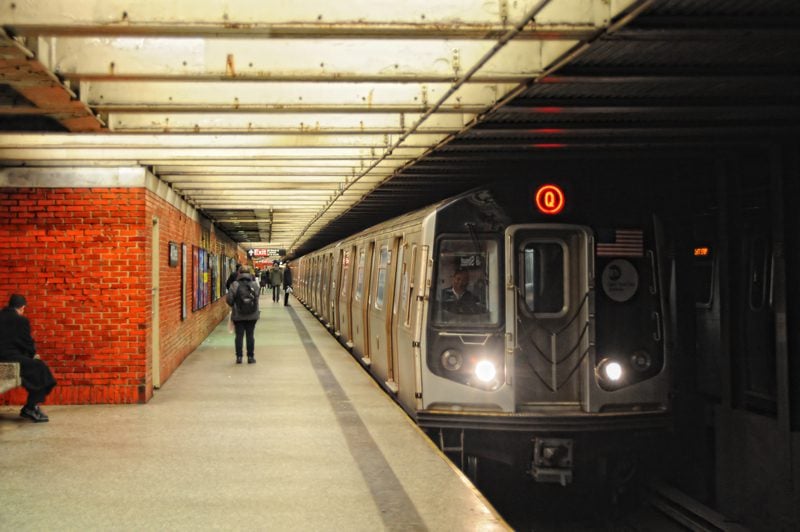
408 283
362 259
400 282
543 277
345 272
383 261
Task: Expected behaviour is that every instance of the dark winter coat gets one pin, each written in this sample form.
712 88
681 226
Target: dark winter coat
231 279
230 298
17 345
275 276
287 277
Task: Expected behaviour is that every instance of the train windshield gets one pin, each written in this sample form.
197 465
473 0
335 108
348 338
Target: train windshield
467 282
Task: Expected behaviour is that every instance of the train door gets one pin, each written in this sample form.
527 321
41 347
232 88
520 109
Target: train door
377 311
328 295
361 300
407 364
336 283
394 321
753 440
324 310
318 285
754 334
548 312
381 309
346 296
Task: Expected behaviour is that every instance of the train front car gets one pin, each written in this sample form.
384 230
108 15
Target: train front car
545 347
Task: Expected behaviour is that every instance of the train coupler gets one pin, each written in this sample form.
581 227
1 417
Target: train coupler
552 460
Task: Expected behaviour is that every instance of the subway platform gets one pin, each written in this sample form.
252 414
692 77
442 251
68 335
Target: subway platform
302 440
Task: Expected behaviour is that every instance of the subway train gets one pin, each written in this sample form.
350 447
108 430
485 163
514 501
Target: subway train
512 328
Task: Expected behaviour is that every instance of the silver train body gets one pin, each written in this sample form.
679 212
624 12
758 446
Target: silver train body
561 356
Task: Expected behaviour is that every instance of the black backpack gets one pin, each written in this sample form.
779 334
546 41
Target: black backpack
245 299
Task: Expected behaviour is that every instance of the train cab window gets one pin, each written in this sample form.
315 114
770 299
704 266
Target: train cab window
383 262
543 277
467 283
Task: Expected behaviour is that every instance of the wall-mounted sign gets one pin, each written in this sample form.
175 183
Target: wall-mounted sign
173 254
265 252
549 199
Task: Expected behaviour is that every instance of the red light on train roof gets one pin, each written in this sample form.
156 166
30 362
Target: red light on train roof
549 145
550 199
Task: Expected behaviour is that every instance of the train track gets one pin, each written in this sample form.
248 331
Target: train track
661 509
685 511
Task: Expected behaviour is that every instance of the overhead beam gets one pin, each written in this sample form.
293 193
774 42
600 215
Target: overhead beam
409 96
311 18
286 123
321 173
179 141
130 58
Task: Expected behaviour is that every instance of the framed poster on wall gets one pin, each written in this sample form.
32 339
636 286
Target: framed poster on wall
173 254
206 280
213 261
196 277
184 272
202 277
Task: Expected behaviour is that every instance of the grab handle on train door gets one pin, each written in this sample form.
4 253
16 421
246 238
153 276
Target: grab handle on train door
653 280
657 318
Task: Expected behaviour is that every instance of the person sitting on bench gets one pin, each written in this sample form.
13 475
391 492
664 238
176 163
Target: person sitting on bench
17 345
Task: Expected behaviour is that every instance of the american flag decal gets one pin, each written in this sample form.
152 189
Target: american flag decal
626 243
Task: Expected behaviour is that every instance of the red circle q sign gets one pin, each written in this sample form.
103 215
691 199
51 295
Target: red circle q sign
550 199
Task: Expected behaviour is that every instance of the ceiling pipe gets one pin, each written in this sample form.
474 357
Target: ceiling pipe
453 88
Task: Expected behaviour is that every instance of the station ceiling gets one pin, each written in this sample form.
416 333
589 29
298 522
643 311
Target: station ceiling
291 125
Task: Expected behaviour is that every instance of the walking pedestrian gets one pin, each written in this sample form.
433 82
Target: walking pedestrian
242 297
287 284
275 279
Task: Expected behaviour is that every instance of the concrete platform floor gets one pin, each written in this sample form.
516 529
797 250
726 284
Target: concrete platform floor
301 440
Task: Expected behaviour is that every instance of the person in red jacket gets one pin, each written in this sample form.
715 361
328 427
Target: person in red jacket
17 345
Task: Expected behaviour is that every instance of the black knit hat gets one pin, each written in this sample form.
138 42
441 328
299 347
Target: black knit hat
17 301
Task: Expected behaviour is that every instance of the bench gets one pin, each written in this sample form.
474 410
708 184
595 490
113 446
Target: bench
9 376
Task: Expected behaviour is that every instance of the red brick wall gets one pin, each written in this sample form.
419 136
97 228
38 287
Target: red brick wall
81 257
178 338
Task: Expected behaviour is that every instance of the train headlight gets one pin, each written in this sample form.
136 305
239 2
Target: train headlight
452 360
641 360
610 371
485 371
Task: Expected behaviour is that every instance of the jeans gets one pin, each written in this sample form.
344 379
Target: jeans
245 328
276 292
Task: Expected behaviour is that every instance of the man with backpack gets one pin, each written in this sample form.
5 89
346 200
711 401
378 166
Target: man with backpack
242 297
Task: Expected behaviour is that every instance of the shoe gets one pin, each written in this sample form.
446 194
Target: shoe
251 360
238 360
34 414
